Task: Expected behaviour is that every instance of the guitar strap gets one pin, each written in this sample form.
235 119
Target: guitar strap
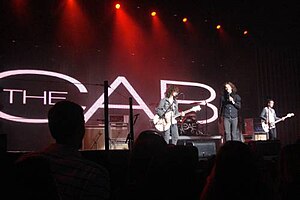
171 107
270 117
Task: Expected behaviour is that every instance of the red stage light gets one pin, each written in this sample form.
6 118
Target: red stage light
184 19
153 13
118 6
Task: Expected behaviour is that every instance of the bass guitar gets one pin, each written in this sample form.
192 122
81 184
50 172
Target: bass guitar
165 122
266 126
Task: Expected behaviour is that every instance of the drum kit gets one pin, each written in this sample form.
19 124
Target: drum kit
189 126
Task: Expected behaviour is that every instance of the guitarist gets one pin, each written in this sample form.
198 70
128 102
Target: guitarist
268 116
168 107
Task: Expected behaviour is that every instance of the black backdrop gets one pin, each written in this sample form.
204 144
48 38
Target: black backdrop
88 41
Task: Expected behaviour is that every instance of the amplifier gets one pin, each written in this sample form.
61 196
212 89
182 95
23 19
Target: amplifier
94 138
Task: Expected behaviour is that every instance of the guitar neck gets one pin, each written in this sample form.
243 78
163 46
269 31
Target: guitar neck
278 120
281 119
186 111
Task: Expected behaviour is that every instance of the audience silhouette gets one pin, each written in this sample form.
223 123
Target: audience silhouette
156 170
289 172
33 180
74 176
235 175
147 168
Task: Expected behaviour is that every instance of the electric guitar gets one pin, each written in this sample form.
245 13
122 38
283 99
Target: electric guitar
266 126
165 122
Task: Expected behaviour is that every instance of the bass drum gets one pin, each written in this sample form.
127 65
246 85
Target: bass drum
190 126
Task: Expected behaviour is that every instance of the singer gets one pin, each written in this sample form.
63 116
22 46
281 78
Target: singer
167 109
230 103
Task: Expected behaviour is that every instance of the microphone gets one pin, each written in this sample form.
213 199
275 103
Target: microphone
181 93
227 95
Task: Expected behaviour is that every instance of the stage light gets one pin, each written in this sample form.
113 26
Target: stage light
153 13
245 32
218 26
184 20
118 6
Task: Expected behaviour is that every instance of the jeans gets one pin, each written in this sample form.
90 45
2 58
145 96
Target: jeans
231 131
173 132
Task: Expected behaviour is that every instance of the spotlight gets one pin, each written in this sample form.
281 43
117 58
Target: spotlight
118 6
218 26
184 20
153 13
245 32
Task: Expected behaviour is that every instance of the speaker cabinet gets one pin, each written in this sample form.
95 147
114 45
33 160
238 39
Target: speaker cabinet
248 126
94 138
261 136
118 135
205 149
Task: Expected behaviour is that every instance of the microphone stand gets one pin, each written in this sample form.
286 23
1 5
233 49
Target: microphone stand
130 136
106 122
206 118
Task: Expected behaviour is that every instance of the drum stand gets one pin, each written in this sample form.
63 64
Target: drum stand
206 126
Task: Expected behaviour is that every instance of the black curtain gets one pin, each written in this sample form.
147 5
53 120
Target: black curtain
278 79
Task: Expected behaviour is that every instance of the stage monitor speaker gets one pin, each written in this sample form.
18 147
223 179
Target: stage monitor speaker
266 148
205 149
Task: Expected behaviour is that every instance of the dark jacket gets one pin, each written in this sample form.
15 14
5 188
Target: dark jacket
227 108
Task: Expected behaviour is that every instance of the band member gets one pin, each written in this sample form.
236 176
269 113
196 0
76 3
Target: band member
268 117
230 103
167 108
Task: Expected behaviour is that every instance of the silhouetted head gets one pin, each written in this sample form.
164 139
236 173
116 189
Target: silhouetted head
147 156
236 174
233 159
149 143
66 123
